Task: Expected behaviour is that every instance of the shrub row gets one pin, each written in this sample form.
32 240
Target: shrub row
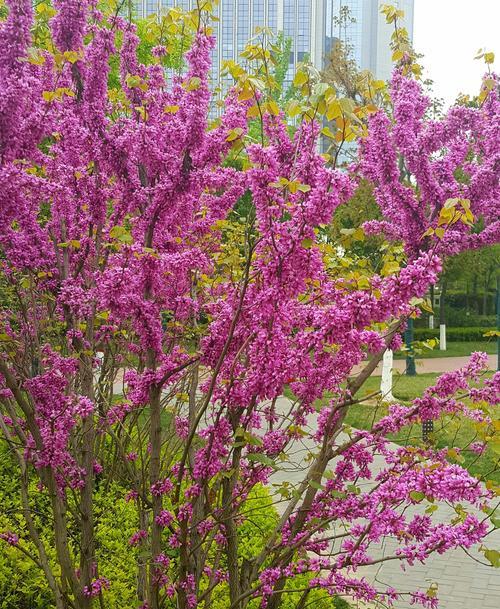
454 334
459 318
23 586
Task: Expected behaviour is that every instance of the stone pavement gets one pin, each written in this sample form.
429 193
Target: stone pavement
462 582
431 364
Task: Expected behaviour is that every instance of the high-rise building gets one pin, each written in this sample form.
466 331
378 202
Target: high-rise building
367 33
309 23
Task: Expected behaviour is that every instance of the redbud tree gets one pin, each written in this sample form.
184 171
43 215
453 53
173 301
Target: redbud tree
166 278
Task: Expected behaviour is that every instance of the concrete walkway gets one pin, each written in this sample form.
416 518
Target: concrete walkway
433 364
462 582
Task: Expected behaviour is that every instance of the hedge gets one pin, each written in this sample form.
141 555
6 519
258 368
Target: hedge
458 318
454 334
23 586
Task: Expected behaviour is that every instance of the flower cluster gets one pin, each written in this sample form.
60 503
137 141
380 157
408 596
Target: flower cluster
455 157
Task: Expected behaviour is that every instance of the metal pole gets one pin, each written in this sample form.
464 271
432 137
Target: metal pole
35 366
410 358
431 316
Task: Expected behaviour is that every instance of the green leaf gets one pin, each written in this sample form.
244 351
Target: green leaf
251 439
493 556
260 458
133 81
234 134
417 496
316 485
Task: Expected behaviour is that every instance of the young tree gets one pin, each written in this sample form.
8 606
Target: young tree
149 328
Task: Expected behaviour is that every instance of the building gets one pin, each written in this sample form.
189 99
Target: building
369 35
309 23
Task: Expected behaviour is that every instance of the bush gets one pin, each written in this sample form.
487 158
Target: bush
261 518
23 585
454 334
459 318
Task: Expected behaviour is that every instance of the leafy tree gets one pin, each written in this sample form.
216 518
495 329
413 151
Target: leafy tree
153 321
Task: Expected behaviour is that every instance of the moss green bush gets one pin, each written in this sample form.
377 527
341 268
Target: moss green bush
472 334
22 583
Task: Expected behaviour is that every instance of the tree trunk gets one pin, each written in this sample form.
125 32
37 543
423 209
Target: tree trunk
87 553
155 465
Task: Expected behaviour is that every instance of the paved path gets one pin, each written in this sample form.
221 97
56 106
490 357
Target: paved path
433 364
438 365
462 582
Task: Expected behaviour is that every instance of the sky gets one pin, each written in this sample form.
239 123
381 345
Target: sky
449 34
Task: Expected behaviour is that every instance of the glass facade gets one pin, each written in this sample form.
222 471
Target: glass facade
312 25
350 32
239 18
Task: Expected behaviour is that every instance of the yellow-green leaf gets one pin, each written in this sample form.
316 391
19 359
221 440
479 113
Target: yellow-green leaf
71 56
390 268
234 134
273 107
49 96
193 83
300 79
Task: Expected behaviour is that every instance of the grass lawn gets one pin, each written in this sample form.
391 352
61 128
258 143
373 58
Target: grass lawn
404 387
456 349
448 432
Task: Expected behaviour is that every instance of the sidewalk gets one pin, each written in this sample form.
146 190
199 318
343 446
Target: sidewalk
432 364
462 582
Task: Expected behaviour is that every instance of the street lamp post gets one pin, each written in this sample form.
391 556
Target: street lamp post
410 358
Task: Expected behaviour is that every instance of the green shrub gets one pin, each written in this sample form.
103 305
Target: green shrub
23 585
453 334
461 318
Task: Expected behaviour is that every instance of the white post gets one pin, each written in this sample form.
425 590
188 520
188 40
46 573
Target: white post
442 337
386 382
99 356
431 322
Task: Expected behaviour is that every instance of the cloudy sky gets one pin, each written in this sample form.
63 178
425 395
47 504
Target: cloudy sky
449 33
